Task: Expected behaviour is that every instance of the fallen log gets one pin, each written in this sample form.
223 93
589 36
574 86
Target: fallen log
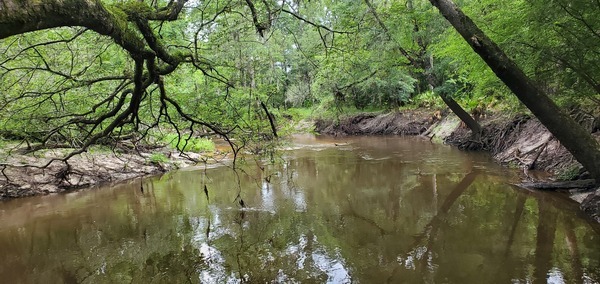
583 184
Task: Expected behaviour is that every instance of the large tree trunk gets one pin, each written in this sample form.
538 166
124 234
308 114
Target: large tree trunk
18 17
572 135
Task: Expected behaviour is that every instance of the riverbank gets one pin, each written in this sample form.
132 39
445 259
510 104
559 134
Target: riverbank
517 141
28 173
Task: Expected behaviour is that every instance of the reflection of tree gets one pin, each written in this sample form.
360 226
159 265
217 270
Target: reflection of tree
260 247
501 271
544 244
423 243
353 213
365 228
546 233
127 239
573 249
431 228
518 213
178 266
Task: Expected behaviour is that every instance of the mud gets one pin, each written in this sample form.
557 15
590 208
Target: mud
518 141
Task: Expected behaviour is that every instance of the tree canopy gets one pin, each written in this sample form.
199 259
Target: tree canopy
83 72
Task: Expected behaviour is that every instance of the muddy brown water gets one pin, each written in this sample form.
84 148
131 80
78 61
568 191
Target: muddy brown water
367 210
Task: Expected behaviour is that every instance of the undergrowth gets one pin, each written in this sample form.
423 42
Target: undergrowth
191 144
158 158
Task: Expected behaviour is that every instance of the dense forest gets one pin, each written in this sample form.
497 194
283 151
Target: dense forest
76 73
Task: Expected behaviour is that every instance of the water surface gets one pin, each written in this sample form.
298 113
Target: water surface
360 210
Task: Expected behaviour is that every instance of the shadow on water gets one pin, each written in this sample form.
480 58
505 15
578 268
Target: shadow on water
364 210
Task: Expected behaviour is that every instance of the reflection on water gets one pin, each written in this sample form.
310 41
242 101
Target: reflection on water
362 210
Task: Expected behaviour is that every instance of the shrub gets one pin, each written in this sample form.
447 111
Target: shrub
158 158
192 144
569 173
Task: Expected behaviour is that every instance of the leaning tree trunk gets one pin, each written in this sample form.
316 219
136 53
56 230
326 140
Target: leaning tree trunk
572 135
463 115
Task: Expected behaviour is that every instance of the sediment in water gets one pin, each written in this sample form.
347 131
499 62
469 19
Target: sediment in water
519 141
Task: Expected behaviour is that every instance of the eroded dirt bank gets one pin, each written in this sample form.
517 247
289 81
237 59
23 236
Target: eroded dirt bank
517 141
398 123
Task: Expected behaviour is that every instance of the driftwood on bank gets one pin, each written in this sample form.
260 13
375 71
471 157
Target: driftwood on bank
584 184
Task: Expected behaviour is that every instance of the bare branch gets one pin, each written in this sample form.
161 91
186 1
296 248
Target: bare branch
313 23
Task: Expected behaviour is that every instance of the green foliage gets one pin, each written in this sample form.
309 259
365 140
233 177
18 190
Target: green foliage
298 114
569 173
428 100
157 158
189 144
57 78
36 102
554 42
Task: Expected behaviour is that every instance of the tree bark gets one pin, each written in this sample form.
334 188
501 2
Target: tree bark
18 17
572 135
271 118
463 115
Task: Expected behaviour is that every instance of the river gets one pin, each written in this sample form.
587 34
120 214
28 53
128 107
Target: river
325 210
